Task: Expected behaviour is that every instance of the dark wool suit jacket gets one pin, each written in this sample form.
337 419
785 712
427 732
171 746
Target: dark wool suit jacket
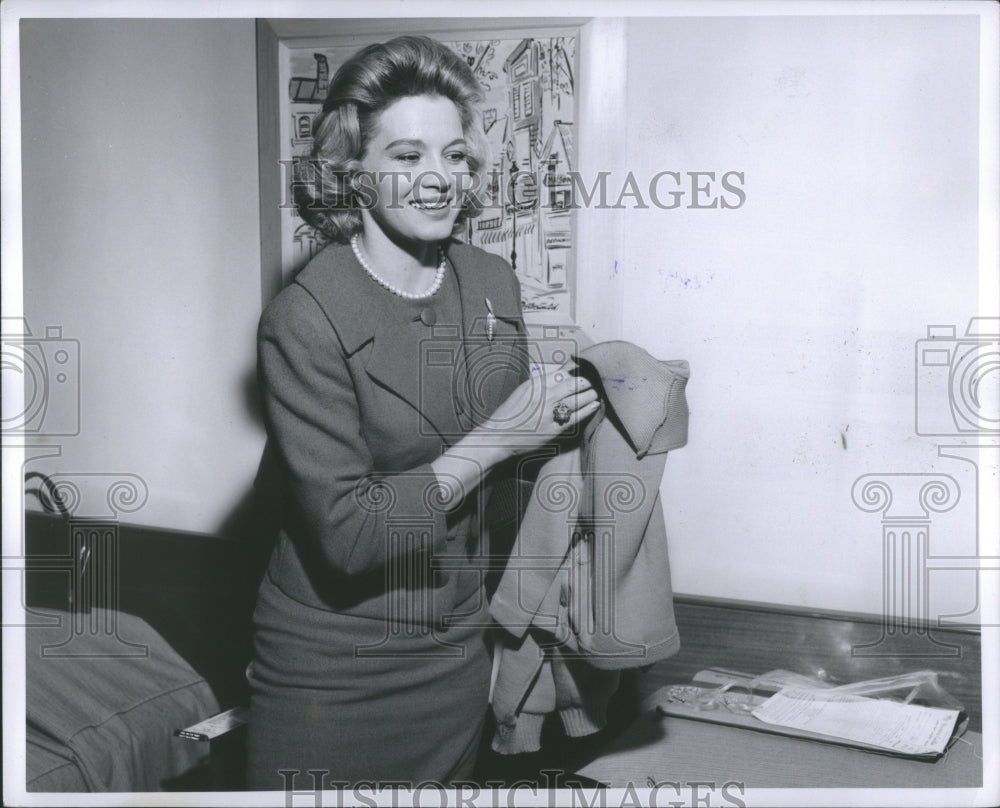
359 396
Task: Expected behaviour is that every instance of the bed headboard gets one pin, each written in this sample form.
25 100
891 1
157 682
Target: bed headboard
196 590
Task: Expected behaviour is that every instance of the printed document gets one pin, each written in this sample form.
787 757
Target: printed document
909 729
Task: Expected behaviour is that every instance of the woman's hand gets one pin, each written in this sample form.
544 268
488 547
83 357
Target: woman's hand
529 417
526 420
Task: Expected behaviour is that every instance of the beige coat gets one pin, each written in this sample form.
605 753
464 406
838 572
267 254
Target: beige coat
587 587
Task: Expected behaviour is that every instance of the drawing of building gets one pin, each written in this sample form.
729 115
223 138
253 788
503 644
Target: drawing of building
525 89
556 189
309 90
528 217
313 89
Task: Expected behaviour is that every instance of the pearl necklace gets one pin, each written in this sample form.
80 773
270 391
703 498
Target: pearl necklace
431 290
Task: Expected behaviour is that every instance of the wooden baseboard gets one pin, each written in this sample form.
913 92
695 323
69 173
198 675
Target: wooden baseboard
819 614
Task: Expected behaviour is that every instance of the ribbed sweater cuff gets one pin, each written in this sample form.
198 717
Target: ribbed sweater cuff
584 720
524 735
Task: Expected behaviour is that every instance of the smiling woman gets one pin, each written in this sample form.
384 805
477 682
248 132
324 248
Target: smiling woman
396 395
412 168
377 124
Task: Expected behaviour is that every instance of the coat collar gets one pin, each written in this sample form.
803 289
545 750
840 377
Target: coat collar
360 312
646 395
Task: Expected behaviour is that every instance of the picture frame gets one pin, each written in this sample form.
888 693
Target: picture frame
547 131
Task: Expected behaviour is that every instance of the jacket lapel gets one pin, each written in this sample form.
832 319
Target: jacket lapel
402 359
493 362
411 363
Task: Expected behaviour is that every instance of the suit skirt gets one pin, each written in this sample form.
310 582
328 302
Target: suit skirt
358 698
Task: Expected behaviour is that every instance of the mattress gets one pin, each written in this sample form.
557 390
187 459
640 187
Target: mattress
104 694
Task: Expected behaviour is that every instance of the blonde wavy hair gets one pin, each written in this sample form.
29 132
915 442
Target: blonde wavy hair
363 87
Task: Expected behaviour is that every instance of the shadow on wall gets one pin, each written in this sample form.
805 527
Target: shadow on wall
196 590
253 520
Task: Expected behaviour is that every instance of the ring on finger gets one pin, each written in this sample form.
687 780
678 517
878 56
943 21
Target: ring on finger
561 413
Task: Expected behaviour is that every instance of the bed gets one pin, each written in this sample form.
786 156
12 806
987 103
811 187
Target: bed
111 672
104 695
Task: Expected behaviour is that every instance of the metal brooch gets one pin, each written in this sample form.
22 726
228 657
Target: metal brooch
491 321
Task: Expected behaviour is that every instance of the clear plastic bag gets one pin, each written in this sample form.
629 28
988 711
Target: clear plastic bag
918 687
744 692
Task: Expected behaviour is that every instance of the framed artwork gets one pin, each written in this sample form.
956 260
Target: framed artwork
530 117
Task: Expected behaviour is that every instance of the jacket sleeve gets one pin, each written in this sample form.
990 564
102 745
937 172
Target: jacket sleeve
334 497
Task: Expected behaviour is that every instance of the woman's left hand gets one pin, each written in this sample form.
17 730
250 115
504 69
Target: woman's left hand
551 402
543 408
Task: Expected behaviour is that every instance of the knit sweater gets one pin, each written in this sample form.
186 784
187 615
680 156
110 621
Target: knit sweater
587 588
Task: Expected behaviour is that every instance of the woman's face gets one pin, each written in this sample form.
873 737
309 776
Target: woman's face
414 169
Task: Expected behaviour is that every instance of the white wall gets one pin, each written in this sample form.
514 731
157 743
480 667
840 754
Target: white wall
141 241
799 311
